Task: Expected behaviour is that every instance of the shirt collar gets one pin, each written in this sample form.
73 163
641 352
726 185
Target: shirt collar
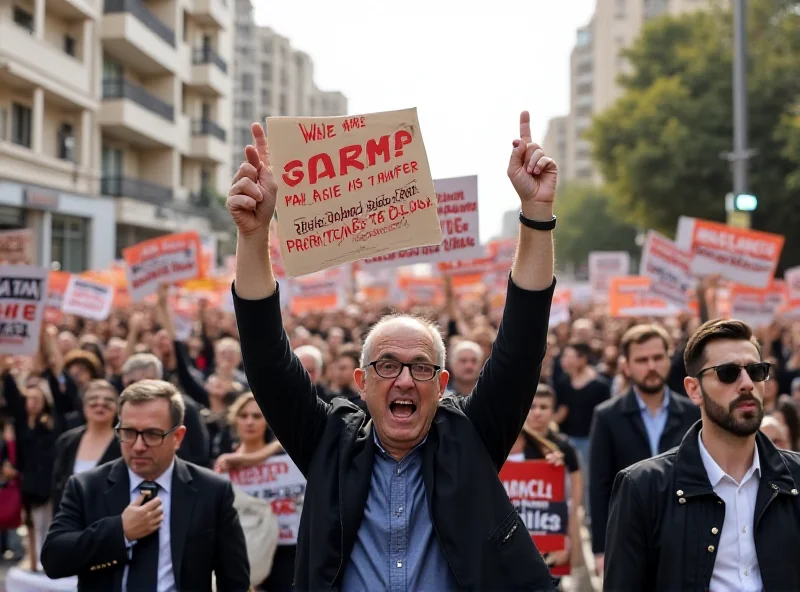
643 405
164 480
383 450
715 472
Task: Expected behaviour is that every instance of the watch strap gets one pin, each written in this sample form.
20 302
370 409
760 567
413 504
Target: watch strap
537 224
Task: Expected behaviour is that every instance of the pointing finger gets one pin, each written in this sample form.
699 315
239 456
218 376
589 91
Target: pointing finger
260 141
525 126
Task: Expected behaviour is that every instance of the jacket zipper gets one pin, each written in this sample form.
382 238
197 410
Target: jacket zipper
769 501
510 532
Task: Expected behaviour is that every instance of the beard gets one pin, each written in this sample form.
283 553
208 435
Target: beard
650 388
747 425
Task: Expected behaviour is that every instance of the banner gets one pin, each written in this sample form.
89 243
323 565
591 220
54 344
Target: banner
536 489
604 265
669 269
16 247
351 188
23 297
746 257
757 307
162 260
457 200
631 296
323 291
88 299
559 309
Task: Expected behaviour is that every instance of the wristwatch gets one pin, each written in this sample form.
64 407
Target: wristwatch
536 224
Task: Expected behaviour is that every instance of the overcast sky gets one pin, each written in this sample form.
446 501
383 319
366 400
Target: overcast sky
468 71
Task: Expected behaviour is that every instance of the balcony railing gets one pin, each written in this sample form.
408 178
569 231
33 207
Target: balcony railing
137 189
205 127
141 12
207 55
125 89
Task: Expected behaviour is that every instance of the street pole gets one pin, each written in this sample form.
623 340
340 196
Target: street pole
740 156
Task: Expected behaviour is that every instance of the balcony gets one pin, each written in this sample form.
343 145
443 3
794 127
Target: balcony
132 114
41 64
136 189
208 142
209 73
136 37
211 13
75 9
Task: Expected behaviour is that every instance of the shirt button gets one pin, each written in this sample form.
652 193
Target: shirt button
399 510
682 500
744 529
746 572
399 564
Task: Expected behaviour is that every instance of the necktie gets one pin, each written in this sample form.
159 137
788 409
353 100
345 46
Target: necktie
143 571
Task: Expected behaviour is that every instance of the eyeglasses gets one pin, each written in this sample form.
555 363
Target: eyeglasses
420 371
151 438
107 401
729 373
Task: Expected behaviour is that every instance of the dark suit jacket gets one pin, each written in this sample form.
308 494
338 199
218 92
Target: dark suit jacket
485 542
86 537
619 439
66 450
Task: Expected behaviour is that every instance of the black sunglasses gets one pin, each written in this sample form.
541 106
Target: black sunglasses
729 373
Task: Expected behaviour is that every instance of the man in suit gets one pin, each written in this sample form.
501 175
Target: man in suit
107 534
406 497
646 421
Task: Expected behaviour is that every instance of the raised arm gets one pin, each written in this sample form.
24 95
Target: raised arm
278 380
504 392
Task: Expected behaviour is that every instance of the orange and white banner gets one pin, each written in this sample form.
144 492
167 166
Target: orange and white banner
88 299
23 297
631 296
746 257
668 267
757 307
604 265
559 309
162 260
322 291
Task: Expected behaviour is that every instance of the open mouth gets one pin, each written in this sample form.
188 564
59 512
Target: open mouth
402 409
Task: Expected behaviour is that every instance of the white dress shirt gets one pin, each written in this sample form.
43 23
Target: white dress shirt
166 578
736 565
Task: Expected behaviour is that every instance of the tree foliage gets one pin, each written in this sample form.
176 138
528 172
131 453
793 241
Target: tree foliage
659 146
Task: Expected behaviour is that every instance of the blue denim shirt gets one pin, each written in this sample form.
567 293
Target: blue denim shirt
654 424
396 549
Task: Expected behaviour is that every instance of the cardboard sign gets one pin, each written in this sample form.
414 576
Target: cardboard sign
458 217
323 291
604 265
792 279
162 260
746 257
668 267
632 296
16 247
757 307
23 297
351 188
536 488
88 299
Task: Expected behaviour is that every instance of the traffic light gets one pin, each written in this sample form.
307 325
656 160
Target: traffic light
745 202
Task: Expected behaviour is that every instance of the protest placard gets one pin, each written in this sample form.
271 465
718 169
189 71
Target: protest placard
16 247
559 309
322 291
668 267
458 216
746 257
350 188
536 489
88 299
756 306
23 297
162 260
604 265
631 296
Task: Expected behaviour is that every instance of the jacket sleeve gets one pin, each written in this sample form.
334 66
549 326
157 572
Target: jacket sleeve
231 562
72 547
601 478
627 548
196 447
504 393
278 380
190 385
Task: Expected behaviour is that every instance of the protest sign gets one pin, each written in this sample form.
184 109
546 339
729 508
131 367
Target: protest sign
559 309
792 278
536 489
88 299
457 200
755 306
323 291
16 247
351 188
162 260
631 296
604 265
668 267
746 257
23 297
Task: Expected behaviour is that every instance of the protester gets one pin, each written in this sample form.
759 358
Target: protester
414 437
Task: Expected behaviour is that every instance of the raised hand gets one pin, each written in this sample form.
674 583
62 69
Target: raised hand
532 174
251 200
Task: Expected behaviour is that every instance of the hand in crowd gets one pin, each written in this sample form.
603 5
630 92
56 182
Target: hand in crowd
555 458
140 519
9 472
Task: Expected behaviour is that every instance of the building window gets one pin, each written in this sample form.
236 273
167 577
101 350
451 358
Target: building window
247 82
69 242
266 97
244 136
266 71
66 143
24 19
619 10
21 124
112 69
284 106
284 77
584 37
266 46
69 45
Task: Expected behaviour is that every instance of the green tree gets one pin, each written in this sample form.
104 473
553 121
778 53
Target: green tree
658 146
586 223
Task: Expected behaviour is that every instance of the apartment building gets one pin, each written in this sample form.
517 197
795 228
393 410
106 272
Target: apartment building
114 121
555 142
272 79
595 64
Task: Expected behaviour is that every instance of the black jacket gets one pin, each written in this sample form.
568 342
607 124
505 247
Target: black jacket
666 521
86 537
619 439
66 450
483 538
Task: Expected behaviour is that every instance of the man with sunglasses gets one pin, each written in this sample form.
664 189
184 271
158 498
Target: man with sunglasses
720 511
149 521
